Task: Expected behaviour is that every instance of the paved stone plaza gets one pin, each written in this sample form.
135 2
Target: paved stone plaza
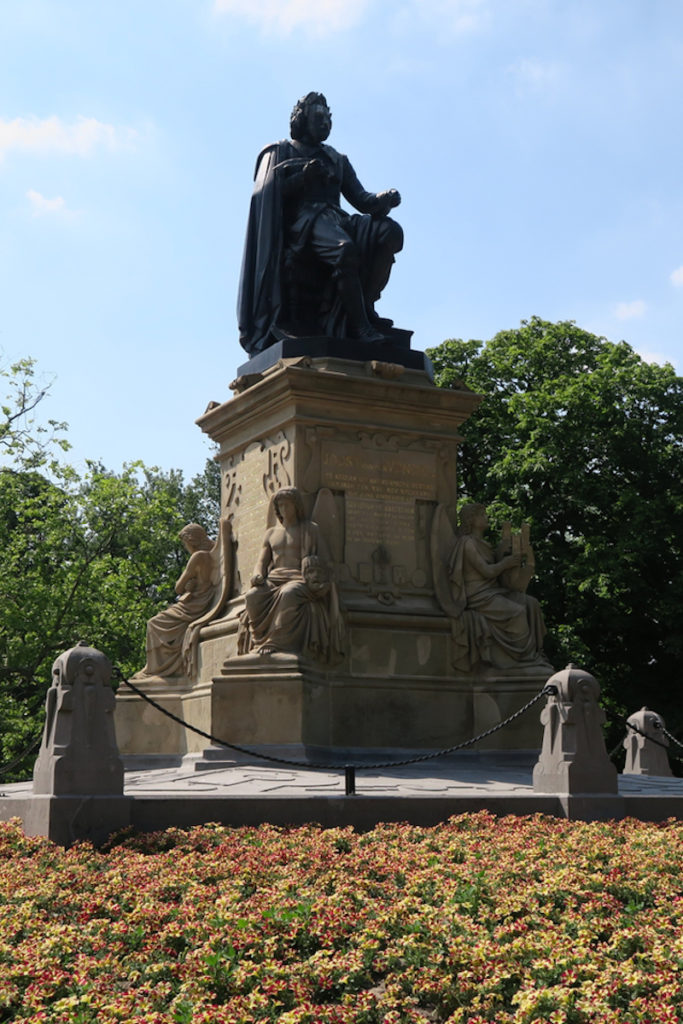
250 793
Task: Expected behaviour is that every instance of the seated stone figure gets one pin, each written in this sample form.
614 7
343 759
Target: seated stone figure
492 622
292 605
309 266
201 589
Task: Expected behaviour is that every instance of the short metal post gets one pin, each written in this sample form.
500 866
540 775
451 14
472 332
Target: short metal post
350 776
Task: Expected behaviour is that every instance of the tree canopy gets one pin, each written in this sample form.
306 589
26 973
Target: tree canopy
583 439
82 556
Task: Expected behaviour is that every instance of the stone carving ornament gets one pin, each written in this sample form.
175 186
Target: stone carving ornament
309 267
292 606
203 588
493 620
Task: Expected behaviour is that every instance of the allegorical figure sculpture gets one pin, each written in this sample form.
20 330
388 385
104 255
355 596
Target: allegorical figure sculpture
202 590
292 606
494 620
310 267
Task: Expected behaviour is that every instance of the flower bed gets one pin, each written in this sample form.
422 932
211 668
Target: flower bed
480 919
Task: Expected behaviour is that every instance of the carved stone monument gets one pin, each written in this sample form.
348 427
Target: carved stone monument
573 757
356 610
77 788
646 752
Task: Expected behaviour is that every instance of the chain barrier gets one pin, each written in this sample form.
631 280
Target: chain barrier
9 765
658 743
348 767
673 739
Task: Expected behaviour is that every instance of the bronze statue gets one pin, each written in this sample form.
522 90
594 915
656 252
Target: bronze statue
483 591
292 606
310 268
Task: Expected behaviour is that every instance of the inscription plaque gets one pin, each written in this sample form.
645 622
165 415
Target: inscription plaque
373 522
378 474
381 488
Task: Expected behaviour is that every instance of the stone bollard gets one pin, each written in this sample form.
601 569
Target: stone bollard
644 757
573 758
78 753
78 776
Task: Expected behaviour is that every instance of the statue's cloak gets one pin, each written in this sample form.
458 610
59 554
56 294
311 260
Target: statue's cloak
260 292
259 300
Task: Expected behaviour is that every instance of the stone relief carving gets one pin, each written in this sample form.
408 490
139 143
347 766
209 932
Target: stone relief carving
202 589
277 473
293 605
493 620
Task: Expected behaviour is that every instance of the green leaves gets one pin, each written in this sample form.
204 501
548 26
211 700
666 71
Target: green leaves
88 557
584 440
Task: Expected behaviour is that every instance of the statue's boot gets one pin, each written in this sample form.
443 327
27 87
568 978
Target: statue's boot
351 296
375 284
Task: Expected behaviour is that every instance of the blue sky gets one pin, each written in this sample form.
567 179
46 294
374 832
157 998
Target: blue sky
537 145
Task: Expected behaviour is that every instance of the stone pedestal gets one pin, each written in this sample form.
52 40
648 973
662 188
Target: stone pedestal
371 446
646 745
573 758
77 790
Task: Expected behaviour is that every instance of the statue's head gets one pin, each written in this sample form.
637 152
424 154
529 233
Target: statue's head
311 108
469 514
315 573
289 494
194 537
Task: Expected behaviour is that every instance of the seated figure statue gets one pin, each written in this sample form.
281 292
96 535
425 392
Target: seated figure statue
493 620
292 606
202 589
310 267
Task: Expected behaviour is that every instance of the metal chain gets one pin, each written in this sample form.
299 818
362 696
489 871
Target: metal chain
332 765
629 725
672 738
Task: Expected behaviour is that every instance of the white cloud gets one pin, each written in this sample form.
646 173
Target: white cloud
53 135
41 205
457 16
652 357
448 18
676 277
629 310
325 17
319 17
534 74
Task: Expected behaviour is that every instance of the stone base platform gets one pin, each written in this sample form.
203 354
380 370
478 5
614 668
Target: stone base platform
252 793
280 699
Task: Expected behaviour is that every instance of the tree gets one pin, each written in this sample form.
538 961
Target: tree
88 558
24 441
583 439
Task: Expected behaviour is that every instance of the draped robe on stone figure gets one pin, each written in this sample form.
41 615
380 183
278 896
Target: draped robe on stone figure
500 626
289 615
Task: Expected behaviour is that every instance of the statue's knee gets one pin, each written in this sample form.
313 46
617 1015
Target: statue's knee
347 257
392 235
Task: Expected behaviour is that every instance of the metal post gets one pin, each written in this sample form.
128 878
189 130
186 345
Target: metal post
350 777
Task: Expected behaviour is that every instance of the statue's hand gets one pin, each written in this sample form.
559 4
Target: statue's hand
257 580
512 561
313 170
391 197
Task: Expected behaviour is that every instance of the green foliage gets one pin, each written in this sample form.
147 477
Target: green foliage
88 558
23 439
583 439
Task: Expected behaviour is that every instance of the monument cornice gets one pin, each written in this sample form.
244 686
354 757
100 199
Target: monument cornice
317 396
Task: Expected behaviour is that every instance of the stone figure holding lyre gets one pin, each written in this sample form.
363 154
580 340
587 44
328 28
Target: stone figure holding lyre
495 622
